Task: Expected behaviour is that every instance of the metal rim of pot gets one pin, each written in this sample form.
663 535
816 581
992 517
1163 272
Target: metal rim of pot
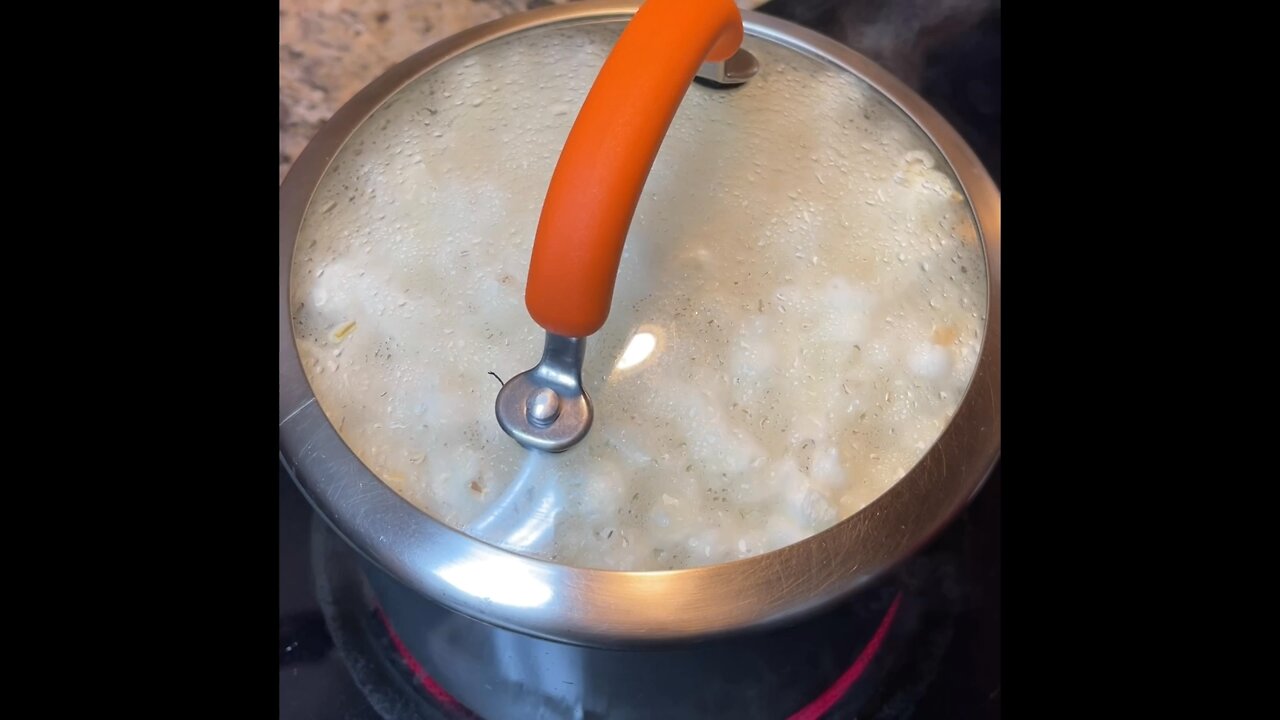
600 607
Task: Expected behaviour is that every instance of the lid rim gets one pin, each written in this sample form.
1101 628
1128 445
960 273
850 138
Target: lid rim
605 607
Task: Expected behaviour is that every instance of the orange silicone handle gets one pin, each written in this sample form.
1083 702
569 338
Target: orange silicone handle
609 152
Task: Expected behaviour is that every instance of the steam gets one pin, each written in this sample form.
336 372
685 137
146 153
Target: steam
899 34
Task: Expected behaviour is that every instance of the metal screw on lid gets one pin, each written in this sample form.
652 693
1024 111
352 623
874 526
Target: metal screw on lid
544 407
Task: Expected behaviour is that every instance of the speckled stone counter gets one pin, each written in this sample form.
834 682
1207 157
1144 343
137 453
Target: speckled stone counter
329 49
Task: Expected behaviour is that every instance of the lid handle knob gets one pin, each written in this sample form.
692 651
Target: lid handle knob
609 152
593 195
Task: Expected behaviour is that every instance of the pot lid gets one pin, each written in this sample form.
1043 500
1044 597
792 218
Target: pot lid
797 314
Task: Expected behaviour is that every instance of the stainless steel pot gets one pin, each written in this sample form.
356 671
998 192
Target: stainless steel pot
608 608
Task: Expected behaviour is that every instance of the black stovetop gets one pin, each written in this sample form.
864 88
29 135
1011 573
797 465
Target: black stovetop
952 666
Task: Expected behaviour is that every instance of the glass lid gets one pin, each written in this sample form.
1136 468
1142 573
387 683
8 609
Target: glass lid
797 312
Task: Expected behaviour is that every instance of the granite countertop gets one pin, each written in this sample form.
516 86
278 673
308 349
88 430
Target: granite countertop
329 49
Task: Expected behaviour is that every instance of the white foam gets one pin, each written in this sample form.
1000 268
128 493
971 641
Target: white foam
806 276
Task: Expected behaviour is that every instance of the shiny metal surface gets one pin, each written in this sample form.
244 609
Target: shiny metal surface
766 675
626 608
735 71
560 372
544 407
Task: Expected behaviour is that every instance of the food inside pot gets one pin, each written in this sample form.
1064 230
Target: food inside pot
798 311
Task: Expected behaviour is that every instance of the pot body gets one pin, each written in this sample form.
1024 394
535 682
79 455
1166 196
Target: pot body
498 673
419 557
945 595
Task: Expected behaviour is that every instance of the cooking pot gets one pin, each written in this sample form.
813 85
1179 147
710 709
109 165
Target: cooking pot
467 97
